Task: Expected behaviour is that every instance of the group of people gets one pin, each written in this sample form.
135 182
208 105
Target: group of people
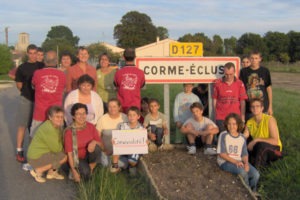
71 112
244 129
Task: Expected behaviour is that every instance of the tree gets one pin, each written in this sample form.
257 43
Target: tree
136 29
217 45
60 37
199 37
294 45
230 46
162 32
249 42
277 44
97 49
6 62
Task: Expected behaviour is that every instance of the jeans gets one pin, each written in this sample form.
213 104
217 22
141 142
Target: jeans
251 177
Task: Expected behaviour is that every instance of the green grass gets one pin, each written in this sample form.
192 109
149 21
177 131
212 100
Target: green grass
280 67
105 185
4 77
282 179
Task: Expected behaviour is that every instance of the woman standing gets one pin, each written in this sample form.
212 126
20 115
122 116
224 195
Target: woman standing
82 144
45 152
84 94
105 78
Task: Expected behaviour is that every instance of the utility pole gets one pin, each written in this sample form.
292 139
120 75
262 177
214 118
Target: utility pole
6 35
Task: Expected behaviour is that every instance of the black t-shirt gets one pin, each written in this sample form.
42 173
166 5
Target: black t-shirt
24 75
256 83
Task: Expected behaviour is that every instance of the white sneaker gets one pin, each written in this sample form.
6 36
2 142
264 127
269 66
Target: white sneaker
210 151
191 149
27 167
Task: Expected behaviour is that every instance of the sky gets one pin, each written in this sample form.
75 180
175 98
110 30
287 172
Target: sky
94 20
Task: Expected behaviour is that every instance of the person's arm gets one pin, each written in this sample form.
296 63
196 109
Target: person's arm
75 173
246 132
270 96
245 162
188 128
243 109
226 157
274 135
68 81
19 85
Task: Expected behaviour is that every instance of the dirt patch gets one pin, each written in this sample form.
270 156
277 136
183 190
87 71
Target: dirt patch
289 81
182 176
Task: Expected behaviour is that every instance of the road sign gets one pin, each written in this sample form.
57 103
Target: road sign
186 49
185 69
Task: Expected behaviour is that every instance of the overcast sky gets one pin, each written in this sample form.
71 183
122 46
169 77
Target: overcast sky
94 20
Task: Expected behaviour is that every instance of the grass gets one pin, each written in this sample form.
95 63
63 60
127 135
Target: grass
280 67
105 185
4 77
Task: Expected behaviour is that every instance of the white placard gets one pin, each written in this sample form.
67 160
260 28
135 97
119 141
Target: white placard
126 142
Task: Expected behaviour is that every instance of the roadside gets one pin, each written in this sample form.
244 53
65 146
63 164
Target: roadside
16 183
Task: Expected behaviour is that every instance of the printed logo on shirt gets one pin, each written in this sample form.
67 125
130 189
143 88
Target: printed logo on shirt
49 83
129 81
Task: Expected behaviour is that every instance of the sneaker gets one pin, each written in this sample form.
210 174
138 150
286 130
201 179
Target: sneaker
114 168
191 149
54 175
20 156
210 151
37 177
27 167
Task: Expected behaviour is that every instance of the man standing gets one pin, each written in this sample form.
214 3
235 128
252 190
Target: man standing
257 81
229 96
23 81
129 80
49 84
80 68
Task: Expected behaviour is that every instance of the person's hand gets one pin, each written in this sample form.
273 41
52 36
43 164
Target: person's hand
166 132
270 111
251 145
246 167
91 146
239 164
178 124
152 136
76 175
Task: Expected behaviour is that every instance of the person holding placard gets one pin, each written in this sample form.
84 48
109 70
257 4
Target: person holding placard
128 161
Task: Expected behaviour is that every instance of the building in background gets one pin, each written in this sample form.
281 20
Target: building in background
23 42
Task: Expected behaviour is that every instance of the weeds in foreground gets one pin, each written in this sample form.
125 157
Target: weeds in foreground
104 185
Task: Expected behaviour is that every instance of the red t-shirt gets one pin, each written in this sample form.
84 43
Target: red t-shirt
129 80
228 97
84 137
74 72
49 85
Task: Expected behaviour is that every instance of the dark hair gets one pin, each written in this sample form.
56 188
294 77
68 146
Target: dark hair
50 58
54 109
238 120
129 54
31 47
85 79
196 105
101 55
134 109
255 52
114 100
39 49
229 65
81 48
245 56
145 99
257 100
77 106
153 100
66 53
203 86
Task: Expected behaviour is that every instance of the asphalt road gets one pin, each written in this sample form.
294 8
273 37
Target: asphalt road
15 183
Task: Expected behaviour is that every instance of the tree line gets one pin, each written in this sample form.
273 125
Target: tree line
136 29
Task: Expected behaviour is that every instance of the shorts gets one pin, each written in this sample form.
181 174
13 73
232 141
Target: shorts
46 159
25 112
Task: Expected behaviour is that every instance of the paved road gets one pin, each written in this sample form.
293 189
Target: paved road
16 183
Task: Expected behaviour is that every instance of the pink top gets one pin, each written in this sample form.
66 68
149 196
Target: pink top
228 97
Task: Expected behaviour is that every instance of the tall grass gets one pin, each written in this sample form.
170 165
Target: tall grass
280 67
104 185
282 179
